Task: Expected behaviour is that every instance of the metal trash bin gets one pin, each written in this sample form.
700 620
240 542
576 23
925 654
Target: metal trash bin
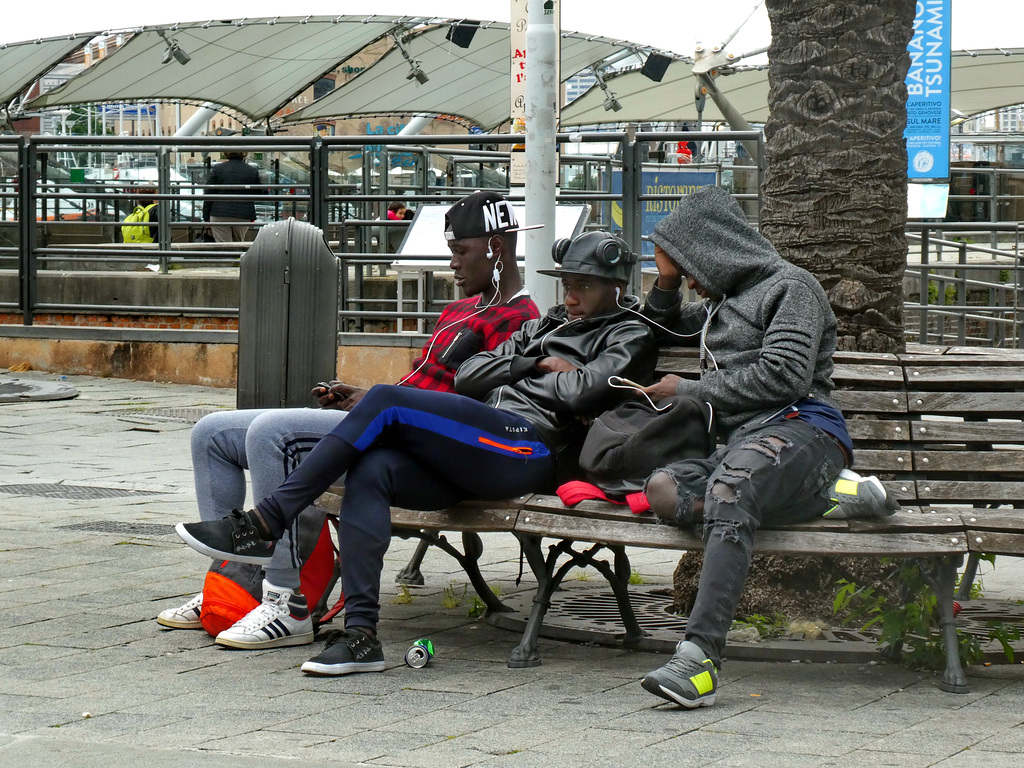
287 316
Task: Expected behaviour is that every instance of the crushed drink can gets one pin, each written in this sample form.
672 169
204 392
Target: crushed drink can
420 653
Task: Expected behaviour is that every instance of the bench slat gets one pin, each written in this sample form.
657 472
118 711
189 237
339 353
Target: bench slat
955 377
455 519
878 430
969 461
859 401
967 431
870 460
797 542
970 491
890 375
993 543
1006 404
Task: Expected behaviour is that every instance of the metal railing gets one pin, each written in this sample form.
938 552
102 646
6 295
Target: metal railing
340 184
963 292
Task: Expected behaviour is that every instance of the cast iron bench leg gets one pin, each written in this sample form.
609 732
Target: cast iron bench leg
469 559
970 574
525 654
411 574
940 573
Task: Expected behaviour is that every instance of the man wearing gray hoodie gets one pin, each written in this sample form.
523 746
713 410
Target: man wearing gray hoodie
766 335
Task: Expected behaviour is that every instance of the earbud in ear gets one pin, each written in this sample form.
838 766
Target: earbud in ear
490 251
616 295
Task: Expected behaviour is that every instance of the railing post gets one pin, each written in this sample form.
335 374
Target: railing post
922 332
632 181
28 157
163 207
318 183
961 294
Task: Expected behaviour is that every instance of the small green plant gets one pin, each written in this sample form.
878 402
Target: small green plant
582 574
635 578
909 628
1004 634
404 597
478 607
766 626
450 598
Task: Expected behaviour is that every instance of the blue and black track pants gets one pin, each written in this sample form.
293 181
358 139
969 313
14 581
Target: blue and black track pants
411 448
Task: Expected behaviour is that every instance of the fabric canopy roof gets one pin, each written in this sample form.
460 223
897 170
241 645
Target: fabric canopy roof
469 83
21 64
644 100
255 66
981 82
986 80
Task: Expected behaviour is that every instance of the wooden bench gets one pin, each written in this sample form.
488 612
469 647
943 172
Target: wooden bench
941 426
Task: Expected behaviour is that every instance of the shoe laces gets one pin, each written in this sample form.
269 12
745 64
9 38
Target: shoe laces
344 636
264 613
685 665
195 604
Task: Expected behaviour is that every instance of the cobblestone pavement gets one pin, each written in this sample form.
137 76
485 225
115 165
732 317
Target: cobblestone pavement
89 488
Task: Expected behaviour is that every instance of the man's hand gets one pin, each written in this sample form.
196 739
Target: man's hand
670 277
662 389
555 365
337 395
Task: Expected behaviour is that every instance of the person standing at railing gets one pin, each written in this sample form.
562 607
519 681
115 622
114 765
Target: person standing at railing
140 226
225 216
270 443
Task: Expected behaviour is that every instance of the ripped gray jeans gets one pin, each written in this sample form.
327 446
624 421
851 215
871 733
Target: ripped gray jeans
767 475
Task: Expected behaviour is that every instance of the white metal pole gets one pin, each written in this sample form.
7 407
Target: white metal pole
541 162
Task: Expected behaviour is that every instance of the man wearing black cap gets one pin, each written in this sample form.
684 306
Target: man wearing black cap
519 408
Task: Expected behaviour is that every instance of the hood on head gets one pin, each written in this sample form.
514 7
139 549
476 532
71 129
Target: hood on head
708 236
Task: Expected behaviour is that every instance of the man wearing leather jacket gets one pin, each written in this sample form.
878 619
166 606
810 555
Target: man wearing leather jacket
518 407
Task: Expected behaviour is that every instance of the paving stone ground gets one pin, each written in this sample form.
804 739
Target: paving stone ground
87 678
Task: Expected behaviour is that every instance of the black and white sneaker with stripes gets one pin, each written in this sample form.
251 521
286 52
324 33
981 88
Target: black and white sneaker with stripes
281 619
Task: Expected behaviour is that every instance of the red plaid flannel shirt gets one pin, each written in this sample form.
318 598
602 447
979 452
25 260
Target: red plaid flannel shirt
494 325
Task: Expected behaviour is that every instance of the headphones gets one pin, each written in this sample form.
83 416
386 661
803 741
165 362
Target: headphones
490 251
610 250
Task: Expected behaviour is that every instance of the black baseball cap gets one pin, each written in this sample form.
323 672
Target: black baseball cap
596 253
481 214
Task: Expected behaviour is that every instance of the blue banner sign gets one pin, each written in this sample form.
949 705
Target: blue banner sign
928 89
674 182
130 111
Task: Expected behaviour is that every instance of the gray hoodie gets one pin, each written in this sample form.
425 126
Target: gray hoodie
767 333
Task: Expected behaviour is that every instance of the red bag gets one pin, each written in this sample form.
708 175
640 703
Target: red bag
232 590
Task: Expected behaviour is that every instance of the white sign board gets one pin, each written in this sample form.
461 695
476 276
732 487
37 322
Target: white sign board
425 236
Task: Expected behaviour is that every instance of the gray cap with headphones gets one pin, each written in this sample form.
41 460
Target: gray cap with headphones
593 253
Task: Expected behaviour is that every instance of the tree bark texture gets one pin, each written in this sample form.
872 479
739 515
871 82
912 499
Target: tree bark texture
835 181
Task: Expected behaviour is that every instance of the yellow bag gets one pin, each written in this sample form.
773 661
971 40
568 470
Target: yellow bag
136 225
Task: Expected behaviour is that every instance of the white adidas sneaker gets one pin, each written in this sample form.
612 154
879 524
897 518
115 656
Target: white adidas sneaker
183 617
281 619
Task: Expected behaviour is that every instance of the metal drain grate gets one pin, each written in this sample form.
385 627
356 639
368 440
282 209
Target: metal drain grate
132 529
183 415
80 492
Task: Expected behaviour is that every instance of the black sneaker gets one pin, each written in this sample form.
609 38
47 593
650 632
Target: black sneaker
232 538
347 652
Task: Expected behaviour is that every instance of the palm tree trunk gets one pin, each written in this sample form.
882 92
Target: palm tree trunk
835 184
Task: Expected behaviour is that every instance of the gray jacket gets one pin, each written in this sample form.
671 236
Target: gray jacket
769 340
